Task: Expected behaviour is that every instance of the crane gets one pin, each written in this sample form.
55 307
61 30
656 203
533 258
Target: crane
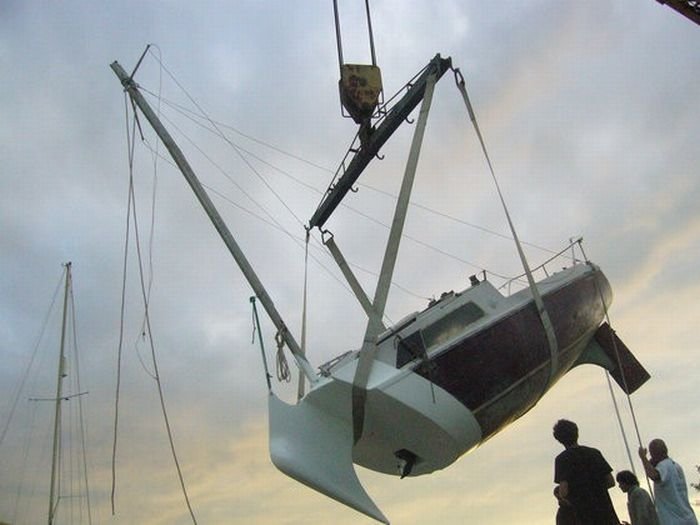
688 8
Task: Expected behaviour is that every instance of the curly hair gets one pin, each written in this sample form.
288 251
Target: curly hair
565 432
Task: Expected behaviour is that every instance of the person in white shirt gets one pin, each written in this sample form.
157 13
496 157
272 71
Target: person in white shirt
670 487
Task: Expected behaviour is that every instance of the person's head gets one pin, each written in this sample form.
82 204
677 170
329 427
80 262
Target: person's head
626 480
565 432
657 450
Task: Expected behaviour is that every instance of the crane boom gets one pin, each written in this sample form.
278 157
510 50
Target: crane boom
688 8
376 139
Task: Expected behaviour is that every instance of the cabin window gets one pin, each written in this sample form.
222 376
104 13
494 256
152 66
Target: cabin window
451 325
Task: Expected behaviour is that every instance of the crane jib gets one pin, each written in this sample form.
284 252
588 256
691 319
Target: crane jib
378 136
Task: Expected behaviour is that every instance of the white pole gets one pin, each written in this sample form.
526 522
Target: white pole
179 158
59 393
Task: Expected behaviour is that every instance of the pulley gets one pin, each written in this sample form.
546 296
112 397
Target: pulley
360 88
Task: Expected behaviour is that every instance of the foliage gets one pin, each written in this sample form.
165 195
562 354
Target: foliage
696 486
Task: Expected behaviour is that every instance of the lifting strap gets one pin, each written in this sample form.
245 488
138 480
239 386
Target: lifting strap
300 388
338 38
541 310
342 263
374 325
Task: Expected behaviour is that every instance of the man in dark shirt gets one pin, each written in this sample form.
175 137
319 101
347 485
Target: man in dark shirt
584 477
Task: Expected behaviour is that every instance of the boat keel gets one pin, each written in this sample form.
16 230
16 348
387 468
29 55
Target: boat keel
314 447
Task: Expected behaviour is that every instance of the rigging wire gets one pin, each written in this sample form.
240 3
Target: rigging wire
83 430
25 375
221 170
64 466
28 438
192 116
215 128
130 137
356 211
230 178
276 224
232 144
154 191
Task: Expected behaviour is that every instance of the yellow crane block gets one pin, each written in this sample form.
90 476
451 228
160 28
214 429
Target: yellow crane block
360 87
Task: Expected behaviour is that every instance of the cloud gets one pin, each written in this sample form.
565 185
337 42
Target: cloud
584 108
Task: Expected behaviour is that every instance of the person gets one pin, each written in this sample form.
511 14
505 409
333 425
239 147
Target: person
566 515
639 505
583 477
670 487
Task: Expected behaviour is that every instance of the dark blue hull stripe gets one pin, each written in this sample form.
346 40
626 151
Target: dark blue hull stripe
499 373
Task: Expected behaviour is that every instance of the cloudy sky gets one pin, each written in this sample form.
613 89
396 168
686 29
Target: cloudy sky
590 113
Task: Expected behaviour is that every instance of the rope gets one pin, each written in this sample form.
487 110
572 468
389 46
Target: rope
282 370
156 156
161 395
619 421
624 380
132 210
130 154
256 325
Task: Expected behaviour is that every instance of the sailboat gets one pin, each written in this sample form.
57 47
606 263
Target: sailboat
68 485
423 392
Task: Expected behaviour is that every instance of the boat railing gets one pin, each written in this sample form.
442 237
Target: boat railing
325 368
572 254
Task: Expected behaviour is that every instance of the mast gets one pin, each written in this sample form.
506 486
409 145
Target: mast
131 87
59 393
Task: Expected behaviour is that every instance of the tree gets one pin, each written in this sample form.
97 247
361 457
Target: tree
696 486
